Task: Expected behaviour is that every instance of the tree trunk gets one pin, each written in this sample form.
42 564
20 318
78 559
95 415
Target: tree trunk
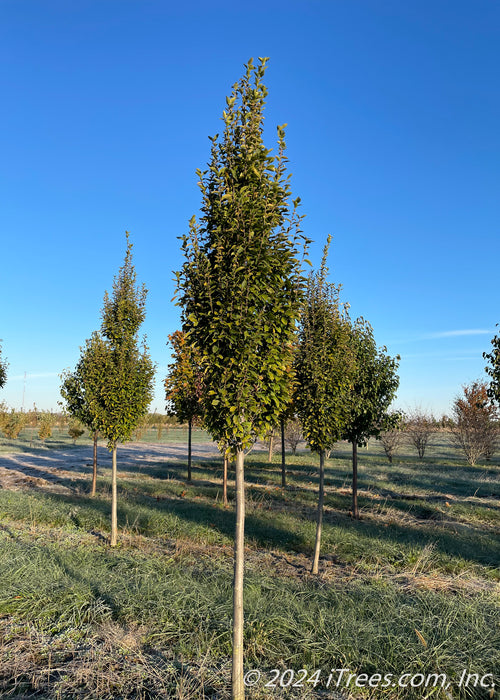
283 456
114 498
271 447
224 480
94 466
238 689
319 521
189 448
355 512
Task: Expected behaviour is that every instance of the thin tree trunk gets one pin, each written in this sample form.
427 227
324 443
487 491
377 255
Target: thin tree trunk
189 448
238 688
114 498
355 512
319 520
94 466
271 447
283 455
224 481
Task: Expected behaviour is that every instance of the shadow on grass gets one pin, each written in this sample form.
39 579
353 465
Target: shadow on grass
146 515
139 513
150 517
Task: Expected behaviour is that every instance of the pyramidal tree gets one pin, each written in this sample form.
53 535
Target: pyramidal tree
324 369
184 385
372 391
240 289
127 389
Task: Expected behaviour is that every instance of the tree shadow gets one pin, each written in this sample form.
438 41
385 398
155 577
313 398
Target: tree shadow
457 540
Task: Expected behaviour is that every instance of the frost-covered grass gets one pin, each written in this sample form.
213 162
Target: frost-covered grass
410 588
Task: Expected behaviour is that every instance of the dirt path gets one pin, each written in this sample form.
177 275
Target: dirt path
47 467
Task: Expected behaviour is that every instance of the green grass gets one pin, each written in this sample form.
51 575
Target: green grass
152 618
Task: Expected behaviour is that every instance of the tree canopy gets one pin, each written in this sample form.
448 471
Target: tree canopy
184 381
374 386
81 389
128 387
493 369
3 369
324 362
240 286
475 422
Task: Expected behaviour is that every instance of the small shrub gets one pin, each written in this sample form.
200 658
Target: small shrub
75 430
419 428
45 424
12 424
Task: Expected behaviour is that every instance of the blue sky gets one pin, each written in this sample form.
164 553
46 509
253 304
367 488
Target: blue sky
392 110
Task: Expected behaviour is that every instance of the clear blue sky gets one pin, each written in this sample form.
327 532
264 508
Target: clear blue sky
393 112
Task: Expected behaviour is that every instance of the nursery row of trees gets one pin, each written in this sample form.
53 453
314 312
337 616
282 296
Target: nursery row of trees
43 422
474 426
259 340
48 424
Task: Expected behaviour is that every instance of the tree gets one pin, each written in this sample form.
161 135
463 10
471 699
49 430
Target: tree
45 424
184 384
293 433
323 369
391 435
419 428
3 369
75 429
12 423
493 369
81 390
475 428
373 389
287 415
127 391
240 289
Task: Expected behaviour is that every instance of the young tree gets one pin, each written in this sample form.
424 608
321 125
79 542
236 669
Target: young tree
46 422
391 435
287 415
270 438
240 289
293 433
127 390
12 423
475 429
493 369
81 390
184 384
75 429
419 428
323 369
371 393
3 369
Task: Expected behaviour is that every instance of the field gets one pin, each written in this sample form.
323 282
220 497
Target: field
412 588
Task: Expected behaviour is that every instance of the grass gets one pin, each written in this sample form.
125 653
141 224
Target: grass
412 587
